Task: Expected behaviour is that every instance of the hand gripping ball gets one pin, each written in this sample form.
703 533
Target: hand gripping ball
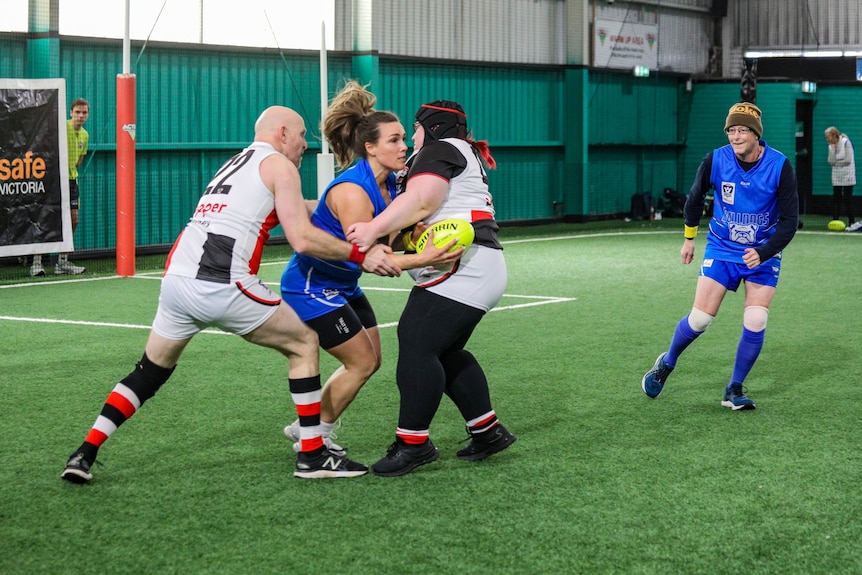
445 231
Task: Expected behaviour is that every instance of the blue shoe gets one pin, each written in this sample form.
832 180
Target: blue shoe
734 398
653 382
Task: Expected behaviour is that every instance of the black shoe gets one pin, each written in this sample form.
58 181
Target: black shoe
486 444
77 469
402 458
326 464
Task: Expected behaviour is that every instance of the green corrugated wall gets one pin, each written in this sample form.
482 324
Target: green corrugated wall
196 107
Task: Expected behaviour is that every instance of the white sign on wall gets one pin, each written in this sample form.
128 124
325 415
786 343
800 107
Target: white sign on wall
624 45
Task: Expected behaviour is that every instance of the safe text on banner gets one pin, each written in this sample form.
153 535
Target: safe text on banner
35 215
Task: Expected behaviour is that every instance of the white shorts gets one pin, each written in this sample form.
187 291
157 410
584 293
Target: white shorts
187 306
478 279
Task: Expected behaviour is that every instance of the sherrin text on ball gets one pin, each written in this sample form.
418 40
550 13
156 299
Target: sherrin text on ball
447 230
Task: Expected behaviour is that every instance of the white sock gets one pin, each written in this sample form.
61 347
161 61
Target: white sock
326 429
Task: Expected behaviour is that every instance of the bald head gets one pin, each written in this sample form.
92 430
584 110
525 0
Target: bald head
284 129
274 118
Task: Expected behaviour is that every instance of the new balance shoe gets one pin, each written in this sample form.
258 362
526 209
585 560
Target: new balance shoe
68 268
326 464
77 469
485 444
653 380
292 433
36 270
328 443
402 458
734 398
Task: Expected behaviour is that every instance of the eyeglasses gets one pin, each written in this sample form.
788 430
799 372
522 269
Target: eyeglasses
740 131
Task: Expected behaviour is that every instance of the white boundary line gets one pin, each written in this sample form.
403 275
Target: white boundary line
92 323
158 275
544 301
31 284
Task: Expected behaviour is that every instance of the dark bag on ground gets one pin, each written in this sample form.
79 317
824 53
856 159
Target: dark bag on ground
674 203
642 206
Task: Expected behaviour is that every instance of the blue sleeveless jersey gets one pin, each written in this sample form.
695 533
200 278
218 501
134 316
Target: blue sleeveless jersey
746 204
332 273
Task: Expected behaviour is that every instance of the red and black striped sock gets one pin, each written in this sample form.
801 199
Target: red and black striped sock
483 423
306 395
124 401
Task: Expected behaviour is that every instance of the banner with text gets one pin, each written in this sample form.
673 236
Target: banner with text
35 217
624 45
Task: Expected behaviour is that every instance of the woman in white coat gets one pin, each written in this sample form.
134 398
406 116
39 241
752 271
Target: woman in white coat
843 173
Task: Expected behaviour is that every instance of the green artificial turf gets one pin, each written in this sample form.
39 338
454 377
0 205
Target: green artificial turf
601 480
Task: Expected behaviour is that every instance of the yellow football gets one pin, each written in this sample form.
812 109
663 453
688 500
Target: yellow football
834 226
447 230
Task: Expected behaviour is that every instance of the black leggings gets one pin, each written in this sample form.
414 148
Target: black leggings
842 197
432 333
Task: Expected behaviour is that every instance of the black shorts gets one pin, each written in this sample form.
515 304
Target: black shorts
342 324
73 194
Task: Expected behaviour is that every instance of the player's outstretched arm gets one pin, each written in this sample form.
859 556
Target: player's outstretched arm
430 255
423 196
282 178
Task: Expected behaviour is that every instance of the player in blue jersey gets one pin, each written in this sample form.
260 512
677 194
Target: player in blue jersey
755 216
326 293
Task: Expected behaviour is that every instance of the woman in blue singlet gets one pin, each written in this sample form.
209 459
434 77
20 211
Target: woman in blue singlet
326 293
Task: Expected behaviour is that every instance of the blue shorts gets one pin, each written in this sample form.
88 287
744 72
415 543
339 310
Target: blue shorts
730 274
311 299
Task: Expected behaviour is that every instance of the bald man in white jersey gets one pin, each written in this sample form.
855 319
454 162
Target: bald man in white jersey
210 281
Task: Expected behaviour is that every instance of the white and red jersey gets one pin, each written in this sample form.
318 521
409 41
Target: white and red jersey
225 236
479 278
469 198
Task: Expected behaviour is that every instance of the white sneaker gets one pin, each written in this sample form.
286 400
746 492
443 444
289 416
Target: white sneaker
68 268
36 270
292 433
854 227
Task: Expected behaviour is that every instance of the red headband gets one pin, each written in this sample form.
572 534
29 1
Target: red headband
454 111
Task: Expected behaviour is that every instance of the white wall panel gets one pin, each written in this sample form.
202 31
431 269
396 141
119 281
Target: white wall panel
684 41
796 24
518 31
533 31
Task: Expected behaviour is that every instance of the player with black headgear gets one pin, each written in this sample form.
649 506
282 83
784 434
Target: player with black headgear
445 179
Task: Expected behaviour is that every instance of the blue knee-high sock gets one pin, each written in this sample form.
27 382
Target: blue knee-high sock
683 335
749 348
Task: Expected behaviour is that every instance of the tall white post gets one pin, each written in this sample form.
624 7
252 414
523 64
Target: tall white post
325 160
